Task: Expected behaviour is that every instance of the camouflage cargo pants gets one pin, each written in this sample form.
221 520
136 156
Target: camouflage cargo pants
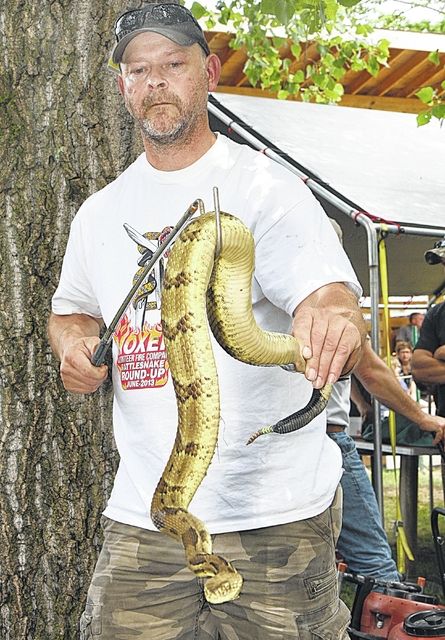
141 588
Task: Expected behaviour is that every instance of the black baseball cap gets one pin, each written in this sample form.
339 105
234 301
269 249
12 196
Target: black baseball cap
166 18
436 255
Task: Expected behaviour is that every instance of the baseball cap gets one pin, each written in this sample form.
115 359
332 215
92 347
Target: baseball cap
437 253
170 20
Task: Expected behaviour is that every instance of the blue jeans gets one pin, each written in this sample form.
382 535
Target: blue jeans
362 543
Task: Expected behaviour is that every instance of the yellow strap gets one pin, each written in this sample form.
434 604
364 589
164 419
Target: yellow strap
403 549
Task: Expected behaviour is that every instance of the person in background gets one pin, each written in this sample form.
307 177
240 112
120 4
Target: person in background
402 368
410 332
363 543
274 508
428 362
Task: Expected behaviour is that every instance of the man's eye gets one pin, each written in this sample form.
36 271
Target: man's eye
176 64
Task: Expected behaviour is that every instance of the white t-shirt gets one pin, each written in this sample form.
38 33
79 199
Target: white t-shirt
337 410
279 478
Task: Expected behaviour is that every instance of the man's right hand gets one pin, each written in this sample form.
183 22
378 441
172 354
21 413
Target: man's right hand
77 373
73 339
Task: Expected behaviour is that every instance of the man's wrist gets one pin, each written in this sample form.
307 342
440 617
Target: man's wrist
67 337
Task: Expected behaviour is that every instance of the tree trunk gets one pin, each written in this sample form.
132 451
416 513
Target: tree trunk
64 134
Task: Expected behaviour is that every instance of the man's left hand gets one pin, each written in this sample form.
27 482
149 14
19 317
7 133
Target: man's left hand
330 329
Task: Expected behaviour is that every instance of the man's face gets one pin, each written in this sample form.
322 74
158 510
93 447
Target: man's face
165 86
418 319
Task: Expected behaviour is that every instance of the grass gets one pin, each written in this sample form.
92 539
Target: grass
425 563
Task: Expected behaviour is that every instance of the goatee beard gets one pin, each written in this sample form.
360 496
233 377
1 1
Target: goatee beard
163 138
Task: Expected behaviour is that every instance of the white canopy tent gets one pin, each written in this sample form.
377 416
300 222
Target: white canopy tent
379 161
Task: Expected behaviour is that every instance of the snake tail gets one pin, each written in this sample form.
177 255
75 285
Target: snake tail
301 418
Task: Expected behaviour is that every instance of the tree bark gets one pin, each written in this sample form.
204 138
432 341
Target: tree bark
63 134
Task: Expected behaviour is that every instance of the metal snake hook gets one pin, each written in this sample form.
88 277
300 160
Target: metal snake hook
200 205
99 355
218 246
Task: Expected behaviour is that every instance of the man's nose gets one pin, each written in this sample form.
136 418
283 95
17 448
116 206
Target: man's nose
156 80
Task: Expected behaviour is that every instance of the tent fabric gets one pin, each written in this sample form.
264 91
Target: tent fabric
380 160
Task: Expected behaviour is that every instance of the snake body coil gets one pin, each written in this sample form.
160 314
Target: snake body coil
199 290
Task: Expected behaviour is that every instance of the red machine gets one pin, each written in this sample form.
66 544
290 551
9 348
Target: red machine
426 624
399 611
384 614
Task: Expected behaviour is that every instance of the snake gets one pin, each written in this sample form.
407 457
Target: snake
202 290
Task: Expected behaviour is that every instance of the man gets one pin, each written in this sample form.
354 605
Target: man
410 332
363 543
271 508
428 362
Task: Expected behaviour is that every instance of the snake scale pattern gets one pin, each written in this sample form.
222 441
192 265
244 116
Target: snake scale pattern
200 290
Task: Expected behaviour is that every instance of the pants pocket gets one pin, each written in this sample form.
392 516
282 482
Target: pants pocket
90 624
334 627
323 616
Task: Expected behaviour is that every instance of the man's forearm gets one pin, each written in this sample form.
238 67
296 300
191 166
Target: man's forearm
426 368
62 330
381 382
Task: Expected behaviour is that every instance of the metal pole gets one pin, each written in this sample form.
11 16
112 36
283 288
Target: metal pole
374 291
411 231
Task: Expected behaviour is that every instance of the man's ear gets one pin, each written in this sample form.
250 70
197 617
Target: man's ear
213 64
120 85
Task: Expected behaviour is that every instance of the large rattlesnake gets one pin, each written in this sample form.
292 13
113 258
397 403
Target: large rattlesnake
193 275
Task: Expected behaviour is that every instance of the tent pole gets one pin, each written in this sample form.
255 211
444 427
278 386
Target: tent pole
374 292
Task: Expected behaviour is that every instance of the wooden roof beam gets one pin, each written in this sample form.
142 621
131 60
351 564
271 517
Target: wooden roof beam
432 75
404 105
396 79
355 81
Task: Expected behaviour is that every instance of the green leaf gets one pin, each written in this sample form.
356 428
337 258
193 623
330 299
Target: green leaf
434 57
423 118
426 94
438 111
328 60
331 9
282 10
278 42
282 94
363 29
383 45
373 66
338 73
348 3
198 10
286 64
295 49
